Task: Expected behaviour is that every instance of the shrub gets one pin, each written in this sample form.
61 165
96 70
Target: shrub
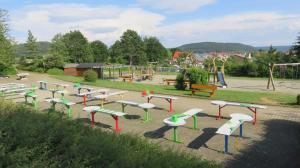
55 71
90 76
180 85
32 139
298 99
197 76
7 70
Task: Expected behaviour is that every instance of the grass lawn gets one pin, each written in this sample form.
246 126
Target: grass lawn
228 95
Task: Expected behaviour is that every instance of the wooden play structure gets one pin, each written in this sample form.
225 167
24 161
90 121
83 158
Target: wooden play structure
218 76
211 89
282 72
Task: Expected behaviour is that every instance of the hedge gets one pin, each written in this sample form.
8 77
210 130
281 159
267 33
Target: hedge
32 139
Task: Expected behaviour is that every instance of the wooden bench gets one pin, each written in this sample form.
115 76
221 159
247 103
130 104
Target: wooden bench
204 88
127 78
173 81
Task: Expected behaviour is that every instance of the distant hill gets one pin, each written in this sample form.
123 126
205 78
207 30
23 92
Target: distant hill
206 47
278 48
43 47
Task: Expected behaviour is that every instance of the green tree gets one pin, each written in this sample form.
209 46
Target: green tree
6 50
133 48
77 47
31 46
58 53
116 53
155 51
99 51
296 48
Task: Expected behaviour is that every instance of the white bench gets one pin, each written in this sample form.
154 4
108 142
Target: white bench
230 126
179 119
86 94
22 75
79 87
64 102
251 107
144 106
168 98
44 85
106 95
115 115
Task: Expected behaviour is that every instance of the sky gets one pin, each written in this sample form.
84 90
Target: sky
173 22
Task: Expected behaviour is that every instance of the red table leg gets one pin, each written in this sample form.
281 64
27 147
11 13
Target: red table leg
84 100
171 109
117 129
219 116
254 111
93 119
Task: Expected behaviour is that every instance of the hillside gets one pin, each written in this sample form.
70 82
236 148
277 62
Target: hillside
206 47
278 48
43 47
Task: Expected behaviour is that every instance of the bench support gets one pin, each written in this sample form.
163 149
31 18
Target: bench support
219 116
226 144
84 100
117 129
69 112
168 100
241 130
254 111
195 121
93 119
146 117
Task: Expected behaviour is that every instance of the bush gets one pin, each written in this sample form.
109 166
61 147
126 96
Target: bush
32 139
197 76
90 76
8 71
55 71
180 85
298 99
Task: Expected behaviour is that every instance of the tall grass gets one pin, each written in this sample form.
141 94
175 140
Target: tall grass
31 139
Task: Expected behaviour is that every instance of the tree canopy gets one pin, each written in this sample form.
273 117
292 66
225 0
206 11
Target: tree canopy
31 46
99 51
6 51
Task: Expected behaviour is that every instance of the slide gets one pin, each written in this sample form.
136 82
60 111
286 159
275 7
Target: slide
221 79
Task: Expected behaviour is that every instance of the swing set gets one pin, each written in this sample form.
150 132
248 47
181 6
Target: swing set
294 68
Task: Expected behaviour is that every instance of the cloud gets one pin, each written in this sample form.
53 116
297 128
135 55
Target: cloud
174 6
108 22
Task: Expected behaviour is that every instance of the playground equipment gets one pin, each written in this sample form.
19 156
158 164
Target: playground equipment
167 98
115 115
144 106
58 86
106 95
177 120
218 76
31 93
64 102
79 87
251 107
204 88
89 94
230 126
22 76
282 73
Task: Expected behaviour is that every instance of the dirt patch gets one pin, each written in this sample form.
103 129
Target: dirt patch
266 100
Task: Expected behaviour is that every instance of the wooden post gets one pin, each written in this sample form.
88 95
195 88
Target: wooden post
271 79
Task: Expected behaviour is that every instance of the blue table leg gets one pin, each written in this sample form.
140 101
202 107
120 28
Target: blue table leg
226 144
241 130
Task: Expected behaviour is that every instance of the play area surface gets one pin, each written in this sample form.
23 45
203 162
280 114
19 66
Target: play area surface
272 141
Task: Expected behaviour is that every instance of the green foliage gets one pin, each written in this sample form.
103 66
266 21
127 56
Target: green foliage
197 76
31 46
90 76
116 53
43 48
99 51
155 51
6 50
7 70
77 46
133 48
296 48
55 71
298 99
31 139
180 85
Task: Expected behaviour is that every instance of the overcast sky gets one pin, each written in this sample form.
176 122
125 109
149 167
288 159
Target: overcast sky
174 22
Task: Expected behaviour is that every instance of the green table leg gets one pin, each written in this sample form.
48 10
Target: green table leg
175 137
35 103
195 121
123 108
146 117
25 99
69 112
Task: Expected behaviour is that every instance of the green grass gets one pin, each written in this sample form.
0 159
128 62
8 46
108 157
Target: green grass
34 139
228 95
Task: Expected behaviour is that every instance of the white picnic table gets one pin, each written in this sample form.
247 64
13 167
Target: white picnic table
167 98
251 107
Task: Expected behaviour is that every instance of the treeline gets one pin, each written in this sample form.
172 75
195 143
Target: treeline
73 47
258 65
